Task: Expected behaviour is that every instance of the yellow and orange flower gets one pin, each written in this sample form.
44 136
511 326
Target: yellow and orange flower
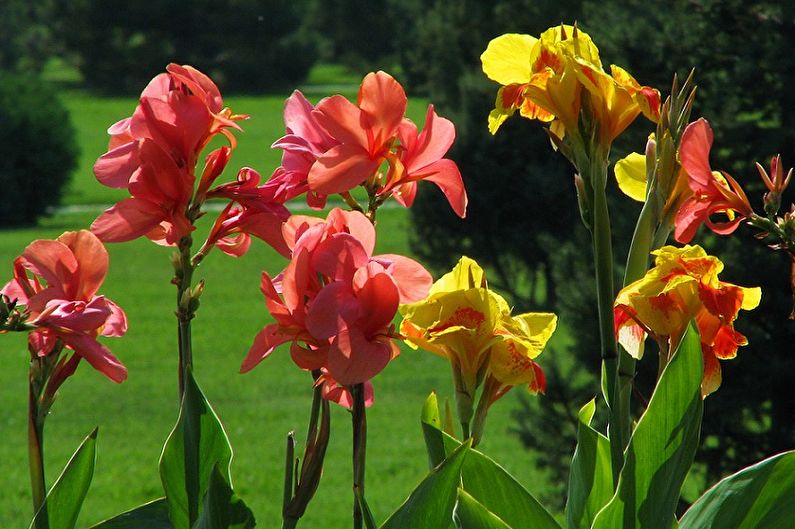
544 79
682 286
472 326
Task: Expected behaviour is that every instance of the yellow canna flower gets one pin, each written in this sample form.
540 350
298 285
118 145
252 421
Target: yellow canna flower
544 79
682 286
472 326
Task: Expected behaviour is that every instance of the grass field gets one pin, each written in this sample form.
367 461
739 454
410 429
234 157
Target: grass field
258 408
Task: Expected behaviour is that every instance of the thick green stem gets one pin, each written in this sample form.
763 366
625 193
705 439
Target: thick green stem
603 260
36 454
359 421
185 310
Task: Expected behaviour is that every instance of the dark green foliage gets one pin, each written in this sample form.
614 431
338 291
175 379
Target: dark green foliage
27 34
244 45
37 149
522 221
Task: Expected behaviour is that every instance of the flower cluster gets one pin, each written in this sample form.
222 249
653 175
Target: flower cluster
554 77
57 282
682 286
335 301
338 145
472 326
154 154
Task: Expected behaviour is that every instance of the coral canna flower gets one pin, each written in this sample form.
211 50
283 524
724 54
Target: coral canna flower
682 286
335 301
62 299
338 145
712 192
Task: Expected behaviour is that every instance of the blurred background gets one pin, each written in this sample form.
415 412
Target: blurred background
69 69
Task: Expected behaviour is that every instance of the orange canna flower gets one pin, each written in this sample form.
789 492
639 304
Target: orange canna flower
682 286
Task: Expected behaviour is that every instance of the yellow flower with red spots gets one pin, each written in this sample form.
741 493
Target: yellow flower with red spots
545 78
472 326
682 286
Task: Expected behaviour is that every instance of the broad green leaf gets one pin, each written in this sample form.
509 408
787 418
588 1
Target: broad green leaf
590 476
197 444
431 503
762 495
471 514
486 481
152 515
63 501
222 508
661 448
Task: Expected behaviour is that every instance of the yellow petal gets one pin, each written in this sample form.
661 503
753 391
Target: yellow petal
466 274
508 58
631 176
751 297
563 37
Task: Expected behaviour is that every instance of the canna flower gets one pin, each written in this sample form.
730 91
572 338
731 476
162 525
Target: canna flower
57 281
713 192
544 78
338 145
154 153
420 157
335 301
682 286
472 326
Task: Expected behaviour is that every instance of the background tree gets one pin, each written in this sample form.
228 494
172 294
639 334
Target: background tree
245 45
522 216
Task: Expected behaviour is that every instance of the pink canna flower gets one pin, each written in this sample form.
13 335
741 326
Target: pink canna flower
154 154
338 145
420 157
335 301
712 192
60 294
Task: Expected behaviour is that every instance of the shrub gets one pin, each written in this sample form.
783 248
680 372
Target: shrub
37 149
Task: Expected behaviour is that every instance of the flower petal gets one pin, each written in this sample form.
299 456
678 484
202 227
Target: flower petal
508 58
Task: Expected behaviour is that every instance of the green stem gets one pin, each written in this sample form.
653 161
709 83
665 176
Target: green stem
603 260
359 421
289 523
36 452
185 311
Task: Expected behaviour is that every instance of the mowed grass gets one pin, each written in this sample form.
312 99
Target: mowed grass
258 408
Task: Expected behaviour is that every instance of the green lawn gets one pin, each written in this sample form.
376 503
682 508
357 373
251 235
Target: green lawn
258 408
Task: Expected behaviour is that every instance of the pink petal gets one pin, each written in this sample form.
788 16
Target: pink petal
342 120
52 260
353 359
300 122
356 224
694 153
115 167
412 279
383 100
295 226
127 220
433 143
378 298
116 324
446 175
97 355
308 358
264 343
339 256
331 311
92 262
692 213
341 169
267 227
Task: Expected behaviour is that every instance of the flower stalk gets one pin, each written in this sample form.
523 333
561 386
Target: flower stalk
359 421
